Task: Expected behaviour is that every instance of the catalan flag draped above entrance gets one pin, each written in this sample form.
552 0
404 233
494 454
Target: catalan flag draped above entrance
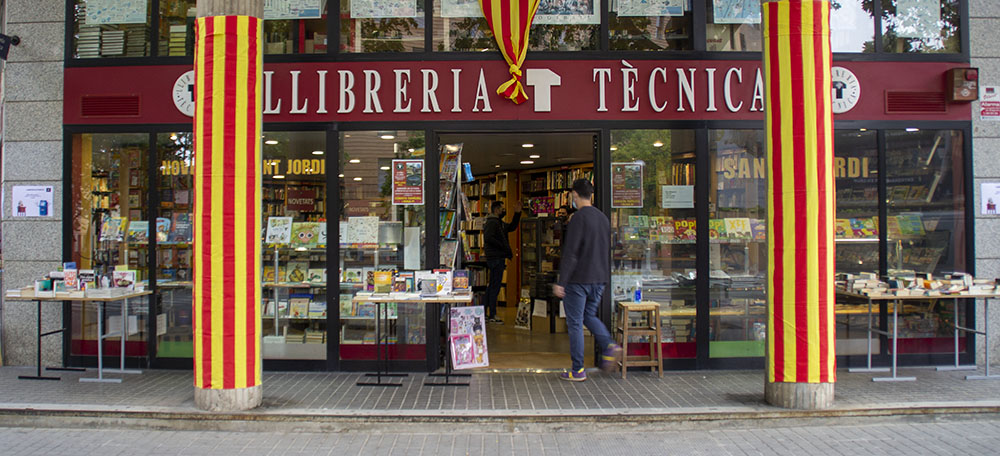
800 212
510 21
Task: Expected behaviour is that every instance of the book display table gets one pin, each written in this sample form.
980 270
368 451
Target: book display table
100 330
382 359
897 302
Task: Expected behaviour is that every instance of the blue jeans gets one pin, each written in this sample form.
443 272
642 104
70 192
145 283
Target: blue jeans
581 303
496 268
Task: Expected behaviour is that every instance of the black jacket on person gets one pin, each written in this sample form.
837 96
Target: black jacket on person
586 248
495 242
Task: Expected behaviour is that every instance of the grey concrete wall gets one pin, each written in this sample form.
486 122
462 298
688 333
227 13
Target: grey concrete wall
32 154
984 36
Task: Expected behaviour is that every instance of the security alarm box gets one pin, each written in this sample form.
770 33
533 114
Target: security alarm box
962 84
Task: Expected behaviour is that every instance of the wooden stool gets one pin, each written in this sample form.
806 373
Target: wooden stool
624 330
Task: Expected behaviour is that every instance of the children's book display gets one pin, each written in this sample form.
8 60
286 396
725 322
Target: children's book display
70 282
467 337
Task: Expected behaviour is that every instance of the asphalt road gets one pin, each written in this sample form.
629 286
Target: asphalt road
923 437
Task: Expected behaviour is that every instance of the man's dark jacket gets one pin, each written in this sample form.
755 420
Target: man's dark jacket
495 242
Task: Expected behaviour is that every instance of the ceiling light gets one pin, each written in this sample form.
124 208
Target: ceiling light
357 179
658 144
410 150
173 137
614 147
271 142
318 152
279 176
912 129
347 136
384 168
496 166
534 156
527 162
354 160
340 176
527 145
863 129
300 249
387 137
386 134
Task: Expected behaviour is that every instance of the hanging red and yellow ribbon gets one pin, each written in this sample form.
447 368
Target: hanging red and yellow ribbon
510 21
800 211
227 128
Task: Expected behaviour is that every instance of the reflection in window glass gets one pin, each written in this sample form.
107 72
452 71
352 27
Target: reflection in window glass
855 167
111 228
295 36
730 28
634 27
737 233
376 235
852 26
176 32
460 27
925 26
654 247
294 266
174 235
371 31
111 32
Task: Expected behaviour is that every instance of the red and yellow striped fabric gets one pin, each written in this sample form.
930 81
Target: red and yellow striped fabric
800 211
227 128
510 21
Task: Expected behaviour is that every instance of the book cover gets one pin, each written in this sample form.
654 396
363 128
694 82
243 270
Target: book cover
354 275
911 225
123 279
269 276
403 283
181 229
369 274
279 230
759 229
86 278
447 223
70 279
305 234
426 282
366 309
892 226
738 228
317 309
298 305
138 232
297 271
684 230
716 230
443 278
361 230
460 281
382 282
667 229
162 229
316 275
346 305
449 249
842 229
863 228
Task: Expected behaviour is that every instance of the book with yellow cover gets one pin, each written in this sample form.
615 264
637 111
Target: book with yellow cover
383 281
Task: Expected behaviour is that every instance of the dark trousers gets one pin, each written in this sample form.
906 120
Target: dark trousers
496 268
581 303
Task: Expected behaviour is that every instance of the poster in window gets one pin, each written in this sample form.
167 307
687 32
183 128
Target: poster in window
626 185
381 9
461 8
408 182
293 9
736 11
918 18
568 12
279 230
468 337
650 8
101 12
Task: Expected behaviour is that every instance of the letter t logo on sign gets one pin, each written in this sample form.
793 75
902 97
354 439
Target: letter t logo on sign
542 80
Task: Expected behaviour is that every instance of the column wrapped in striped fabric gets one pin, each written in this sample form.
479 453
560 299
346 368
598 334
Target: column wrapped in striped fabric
227 130
510 21
800 211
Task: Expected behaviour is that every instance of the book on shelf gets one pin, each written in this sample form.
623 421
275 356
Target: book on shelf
138 232
298 305
842 229
113 228
684 230
369 275
758 227
403 282
864 228
162 229
444 281
738 228
382 282
449 249
447 223
181 230
354 275
450 154
317 309
297 271
717 230
460 282
346 305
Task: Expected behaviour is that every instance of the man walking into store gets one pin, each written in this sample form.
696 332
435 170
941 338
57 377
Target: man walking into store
583 276
497 249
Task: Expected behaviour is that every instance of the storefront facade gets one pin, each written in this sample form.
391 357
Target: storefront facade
680 95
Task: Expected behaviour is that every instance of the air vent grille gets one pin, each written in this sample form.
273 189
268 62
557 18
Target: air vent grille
110 106
914 102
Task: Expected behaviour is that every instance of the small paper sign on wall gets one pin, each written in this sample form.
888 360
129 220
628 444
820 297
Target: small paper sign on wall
989 103
990 197
626 185
32 201
677 196
408 182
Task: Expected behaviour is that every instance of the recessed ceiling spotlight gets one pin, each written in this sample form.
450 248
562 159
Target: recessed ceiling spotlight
410 150
384 168
271 142
357 178
496 166
318 152
534 156
658 144
340 176
173 137
527 145
614 147
347 136
279 176
527 162
912 129
863 129
354 160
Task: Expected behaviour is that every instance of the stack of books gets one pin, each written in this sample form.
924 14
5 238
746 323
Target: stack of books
178 37
135 40
89 42
112 42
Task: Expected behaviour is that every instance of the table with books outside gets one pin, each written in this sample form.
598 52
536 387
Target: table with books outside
101 297
898 296
381 360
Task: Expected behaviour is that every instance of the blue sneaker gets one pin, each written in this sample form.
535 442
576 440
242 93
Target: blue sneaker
574 376
611 357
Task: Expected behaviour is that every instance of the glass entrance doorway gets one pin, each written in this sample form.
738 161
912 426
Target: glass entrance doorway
535 170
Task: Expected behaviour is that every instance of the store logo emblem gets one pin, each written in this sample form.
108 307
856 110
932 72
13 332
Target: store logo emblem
183 94
846 89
